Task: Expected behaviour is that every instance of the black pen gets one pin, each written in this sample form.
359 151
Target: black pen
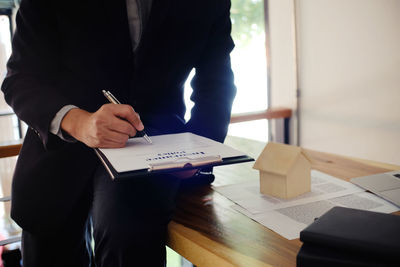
114 100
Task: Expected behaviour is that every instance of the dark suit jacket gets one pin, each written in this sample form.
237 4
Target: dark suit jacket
67 52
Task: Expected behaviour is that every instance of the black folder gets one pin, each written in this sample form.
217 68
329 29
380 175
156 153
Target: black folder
311 255
352 236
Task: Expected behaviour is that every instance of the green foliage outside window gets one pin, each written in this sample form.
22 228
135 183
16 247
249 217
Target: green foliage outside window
247 20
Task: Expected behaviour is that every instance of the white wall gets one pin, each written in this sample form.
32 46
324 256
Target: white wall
348 58
282 61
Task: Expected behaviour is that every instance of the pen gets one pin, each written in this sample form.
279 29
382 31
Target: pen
114 100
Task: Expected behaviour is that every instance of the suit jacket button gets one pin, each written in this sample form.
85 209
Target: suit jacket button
36 132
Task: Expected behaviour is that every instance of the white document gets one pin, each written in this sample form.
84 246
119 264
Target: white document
166 149
290 221
323 187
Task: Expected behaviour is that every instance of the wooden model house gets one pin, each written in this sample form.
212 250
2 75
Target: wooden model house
285 171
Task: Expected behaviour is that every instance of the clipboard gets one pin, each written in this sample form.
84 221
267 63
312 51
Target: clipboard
168 153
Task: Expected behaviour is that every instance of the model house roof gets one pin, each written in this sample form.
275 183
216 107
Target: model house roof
278 158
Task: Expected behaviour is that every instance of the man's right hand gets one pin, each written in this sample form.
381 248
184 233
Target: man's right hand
108 127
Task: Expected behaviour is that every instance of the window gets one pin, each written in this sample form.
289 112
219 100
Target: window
249 64
9 127
9 124
6 121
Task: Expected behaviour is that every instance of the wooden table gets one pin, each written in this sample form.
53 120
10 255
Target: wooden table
208 232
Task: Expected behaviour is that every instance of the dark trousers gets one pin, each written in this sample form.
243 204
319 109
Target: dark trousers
130 219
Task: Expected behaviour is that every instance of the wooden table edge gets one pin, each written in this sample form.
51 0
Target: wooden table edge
10 148
202 251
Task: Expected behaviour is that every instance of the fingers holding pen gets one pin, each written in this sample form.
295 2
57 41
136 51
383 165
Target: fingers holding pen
123 120
121 126
127 113
107 130
108 127
92 128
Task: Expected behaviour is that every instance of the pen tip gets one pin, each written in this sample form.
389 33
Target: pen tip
148 139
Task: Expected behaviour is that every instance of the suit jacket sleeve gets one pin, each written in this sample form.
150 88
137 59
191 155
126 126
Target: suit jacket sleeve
213 87
30 86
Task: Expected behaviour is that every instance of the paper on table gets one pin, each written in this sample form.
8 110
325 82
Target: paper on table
323 186
290 221
138 154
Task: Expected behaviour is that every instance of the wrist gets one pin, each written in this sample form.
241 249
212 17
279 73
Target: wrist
71 121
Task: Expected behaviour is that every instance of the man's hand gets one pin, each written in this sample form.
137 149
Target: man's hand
108 127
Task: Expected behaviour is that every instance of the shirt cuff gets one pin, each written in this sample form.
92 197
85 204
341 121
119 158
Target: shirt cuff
55 126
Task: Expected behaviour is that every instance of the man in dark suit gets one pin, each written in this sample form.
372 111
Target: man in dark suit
64 54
